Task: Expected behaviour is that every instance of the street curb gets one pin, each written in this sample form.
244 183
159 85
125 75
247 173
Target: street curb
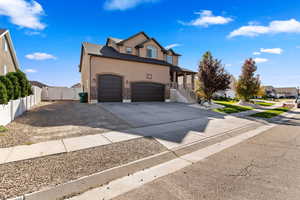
85 183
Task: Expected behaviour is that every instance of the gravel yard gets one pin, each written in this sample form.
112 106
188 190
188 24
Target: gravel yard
32 175
56 120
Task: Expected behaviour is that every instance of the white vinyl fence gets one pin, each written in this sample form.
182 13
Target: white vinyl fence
60 93
17 107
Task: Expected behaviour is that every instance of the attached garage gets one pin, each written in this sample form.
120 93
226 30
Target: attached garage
146 91
110 88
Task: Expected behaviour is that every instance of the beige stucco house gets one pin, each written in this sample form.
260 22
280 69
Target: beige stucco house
134 69
8 58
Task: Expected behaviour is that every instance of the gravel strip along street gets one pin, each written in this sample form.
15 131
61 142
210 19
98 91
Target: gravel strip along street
57 120
32 175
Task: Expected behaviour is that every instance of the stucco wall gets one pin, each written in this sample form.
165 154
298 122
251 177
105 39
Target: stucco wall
130 71
6 58
85 72
132 43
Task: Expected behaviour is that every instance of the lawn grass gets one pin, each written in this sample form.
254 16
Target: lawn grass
261 103
230 107
270 113
3 129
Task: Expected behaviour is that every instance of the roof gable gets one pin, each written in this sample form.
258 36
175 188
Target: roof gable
5 33
131 37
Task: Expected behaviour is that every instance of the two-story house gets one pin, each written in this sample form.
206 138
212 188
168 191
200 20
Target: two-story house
134 69
8 58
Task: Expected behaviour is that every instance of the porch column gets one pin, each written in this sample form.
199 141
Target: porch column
193 82
174 81
184 80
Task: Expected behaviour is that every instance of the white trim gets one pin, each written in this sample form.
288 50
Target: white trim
126 100
93 101
4 33
168 100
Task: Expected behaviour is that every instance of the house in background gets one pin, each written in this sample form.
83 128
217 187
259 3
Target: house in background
134 69
286 92
8 58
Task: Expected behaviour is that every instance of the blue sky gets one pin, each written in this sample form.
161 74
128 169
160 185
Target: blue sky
48 34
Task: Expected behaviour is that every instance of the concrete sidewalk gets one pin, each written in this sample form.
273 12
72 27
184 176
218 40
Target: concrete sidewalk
171 135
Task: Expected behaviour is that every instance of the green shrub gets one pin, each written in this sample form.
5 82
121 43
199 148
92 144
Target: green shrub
9 87
3 94
22 82
14 80
29 88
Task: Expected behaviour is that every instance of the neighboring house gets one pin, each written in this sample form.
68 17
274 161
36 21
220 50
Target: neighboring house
270 91
134 69
77 85
286 92
38 84
8 58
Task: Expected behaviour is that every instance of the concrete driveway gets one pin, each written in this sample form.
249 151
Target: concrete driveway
172 124
154 113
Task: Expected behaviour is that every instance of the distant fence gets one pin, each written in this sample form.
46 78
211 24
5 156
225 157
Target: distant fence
60 93
17 107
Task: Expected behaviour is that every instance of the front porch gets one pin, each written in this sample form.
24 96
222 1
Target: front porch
182 78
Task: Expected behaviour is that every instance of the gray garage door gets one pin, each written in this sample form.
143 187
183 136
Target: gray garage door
109 88
143 91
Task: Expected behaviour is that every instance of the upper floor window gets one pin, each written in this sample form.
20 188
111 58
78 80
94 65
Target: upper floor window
5 47
151 52
4 70
129 50
170 59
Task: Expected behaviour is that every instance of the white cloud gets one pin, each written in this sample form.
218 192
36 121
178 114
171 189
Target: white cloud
256 53
30 70
260 60
272 51
207 18
23 13
274 27
40 56
124 4
172 46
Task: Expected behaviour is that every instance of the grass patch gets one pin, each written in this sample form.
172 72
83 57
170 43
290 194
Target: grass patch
270 113
230 107
3 129
261 103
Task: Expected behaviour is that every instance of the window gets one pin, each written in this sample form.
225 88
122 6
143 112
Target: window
4 44
151 52
4 70
170 59
129 50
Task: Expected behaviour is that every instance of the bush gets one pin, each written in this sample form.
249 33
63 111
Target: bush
22 82
3 94
9 87
29 88
15 82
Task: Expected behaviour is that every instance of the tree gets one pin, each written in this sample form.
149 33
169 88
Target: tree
261 92
248 84
15 82
9 87
3 94
22 82
212 76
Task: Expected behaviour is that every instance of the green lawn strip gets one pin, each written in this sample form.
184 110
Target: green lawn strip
230 107
261 103
270 113
3 129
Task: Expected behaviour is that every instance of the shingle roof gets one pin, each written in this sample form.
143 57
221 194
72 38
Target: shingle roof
116 40
2 31
109 52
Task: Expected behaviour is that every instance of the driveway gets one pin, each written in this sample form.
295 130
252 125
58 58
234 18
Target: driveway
154 113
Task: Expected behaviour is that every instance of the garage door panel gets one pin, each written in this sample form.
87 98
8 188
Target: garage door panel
142 91
110 88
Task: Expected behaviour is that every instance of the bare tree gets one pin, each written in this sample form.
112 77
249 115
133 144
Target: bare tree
212 76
